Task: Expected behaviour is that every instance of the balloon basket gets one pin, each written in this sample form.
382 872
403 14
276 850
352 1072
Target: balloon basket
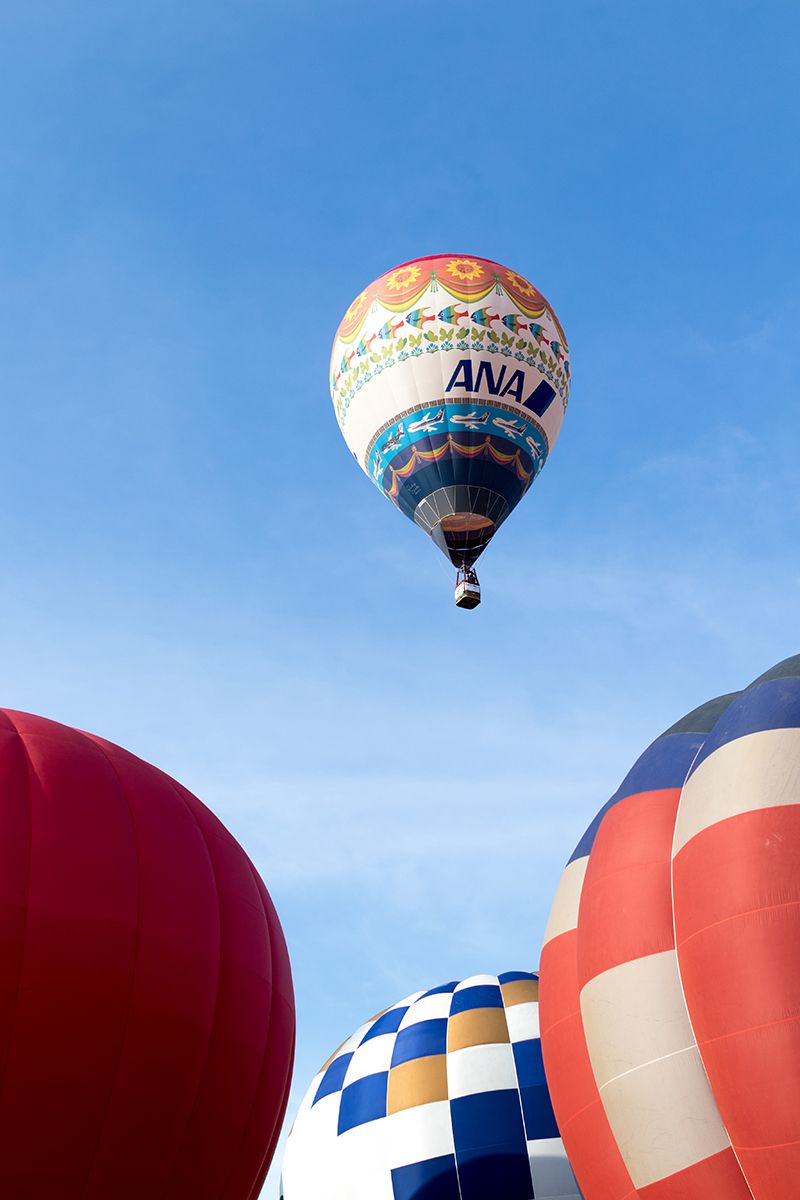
467 590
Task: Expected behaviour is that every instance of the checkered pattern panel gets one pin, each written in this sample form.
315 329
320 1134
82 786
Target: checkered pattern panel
441 1097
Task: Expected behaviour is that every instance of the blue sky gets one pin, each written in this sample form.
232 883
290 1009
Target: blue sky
194 567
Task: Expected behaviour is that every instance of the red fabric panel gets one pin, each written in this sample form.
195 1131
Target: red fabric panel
756 1079
270 1101
737 889
172 1001
599 1169
582 1122
626 903
78 959
710 1179
773 1172
15 862
745 870
146 1011
722 869
242 1019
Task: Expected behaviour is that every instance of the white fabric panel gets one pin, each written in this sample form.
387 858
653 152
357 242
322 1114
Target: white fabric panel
664 1117
415 1134
564 913
429 1008
371 1056
633 1014
422 380
552 1175
362 1152
310 1164
523 1021
761 770
477 981
475 1069
308 1099
353 1042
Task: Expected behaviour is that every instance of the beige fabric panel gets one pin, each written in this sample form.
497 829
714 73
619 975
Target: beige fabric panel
633 1014
564 913
664 1117
761 770
648 1069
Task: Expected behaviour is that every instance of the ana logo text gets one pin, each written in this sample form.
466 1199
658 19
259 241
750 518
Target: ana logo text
464 377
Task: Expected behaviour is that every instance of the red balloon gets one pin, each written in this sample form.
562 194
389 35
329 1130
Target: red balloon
146 1006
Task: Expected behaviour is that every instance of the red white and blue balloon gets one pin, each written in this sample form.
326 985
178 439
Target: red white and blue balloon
670 992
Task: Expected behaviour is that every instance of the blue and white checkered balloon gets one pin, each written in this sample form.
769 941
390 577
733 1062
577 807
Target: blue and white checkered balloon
441 1097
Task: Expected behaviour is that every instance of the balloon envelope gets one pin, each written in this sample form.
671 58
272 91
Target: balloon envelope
441 1097
450 379
633 1102
146 1010
736 881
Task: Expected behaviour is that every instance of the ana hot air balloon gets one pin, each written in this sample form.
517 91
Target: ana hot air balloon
736 882
441 1097
146 1010
636 1112
450 379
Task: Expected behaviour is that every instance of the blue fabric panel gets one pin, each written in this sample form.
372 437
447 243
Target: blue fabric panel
388 1023
472 472
529 1064
497 1176
774 704
420 1041
513 976
364 1100
540 1121
540 400
664 764
434 1179
444 987
483 995
333 1078
487 1120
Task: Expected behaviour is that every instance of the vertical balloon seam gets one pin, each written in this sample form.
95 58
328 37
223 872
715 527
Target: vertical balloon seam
440 359
30 772
456 1164
275 996
675 935
262 1173
671 918
174 787
207 822
596 1103
234 1161
415 381
610 804
519 1084
100 749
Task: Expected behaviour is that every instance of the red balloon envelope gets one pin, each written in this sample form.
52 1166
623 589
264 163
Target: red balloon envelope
736 881
146 1008
628 1088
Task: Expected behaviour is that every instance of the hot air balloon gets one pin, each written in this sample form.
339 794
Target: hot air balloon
450 380
146 1009
441 1097
629 1091
736 890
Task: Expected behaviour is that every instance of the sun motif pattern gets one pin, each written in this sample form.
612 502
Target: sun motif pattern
450 371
